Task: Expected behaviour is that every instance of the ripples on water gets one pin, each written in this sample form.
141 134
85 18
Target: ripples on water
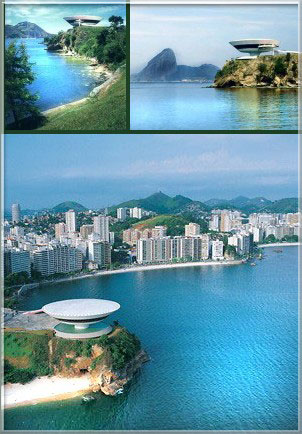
194 106
223 343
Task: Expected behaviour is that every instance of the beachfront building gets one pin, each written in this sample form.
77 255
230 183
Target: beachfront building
217 250
16 213
16 261
83 20
99 252
57 259
81 318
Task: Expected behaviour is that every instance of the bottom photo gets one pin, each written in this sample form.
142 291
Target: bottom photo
151 282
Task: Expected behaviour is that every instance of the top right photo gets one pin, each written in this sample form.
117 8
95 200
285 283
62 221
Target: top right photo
214 67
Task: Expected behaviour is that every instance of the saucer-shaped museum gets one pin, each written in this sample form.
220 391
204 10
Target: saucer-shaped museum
81 318
254 47
83 20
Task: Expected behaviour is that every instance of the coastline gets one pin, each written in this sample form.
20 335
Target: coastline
279 245
144 268
45 389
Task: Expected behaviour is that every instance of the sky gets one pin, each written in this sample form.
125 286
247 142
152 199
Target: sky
102 170
50 17
201 34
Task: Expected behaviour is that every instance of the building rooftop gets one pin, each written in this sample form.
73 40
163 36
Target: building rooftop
83 308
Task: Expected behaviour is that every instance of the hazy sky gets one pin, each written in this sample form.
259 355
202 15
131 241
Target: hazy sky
102 170
50 17
201 34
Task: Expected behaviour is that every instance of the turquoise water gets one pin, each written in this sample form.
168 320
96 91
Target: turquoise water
195 106
223 344
59 79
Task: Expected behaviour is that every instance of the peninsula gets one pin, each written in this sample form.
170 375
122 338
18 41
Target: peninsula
40 366
265 71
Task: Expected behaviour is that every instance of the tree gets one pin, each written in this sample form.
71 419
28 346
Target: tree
115 21
19 102
280 67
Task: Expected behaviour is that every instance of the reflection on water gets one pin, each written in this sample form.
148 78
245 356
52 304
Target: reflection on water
195 106
59 79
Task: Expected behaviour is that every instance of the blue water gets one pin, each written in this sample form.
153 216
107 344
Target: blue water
223 343
59 79
195 106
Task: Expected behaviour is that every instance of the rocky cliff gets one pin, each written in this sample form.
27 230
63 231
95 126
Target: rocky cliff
279 71
163 67
110 360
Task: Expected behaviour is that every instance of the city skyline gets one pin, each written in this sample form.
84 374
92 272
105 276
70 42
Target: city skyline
207 28
200 167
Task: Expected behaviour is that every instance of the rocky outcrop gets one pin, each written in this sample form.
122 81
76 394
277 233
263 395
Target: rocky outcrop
279 71
111 383
163 67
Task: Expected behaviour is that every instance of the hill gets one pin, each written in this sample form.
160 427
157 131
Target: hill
66 206
163 204
175 224
25 30
264 71
163 67
256 204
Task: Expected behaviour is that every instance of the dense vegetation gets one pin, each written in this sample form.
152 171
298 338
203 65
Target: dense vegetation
106 44
27 354
175 223
19 102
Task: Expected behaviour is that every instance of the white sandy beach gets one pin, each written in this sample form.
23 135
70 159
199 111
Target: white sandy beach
146 268
44 389
279 245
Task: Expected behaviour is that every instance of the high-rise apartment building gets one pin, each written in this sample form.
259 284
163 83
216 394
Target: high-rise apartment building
16 213
159 231
16 261
70 220
57 259
101 227
100 253
60 230
192 229
86 230
217 250
121 213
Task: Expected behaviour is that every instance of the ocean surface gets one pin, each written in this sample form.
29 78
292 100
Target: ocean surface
223 343
59 79
195 106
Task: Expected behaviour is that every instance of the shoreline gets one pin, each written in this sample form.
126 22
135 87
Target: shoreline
279 245
45 389
97 69
145 268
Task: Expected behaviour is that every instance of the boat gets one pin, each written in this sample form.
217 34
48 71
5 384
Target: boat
88 398
252 264
278 250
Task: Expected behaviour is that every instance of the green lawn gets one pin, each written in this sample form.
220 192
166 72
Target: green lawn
106 112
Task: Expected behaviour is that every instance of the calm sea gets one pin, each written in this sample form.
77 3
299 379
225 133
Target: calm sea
223 343
59 79
195 106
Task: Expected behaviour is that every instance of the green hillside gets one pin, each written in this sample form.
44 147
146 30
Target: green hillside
66 206
175 224
163 204
286 205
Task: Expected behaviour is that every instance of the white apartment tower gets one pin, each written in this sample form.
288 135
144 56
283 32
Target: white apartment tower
70 219
121 213
16 213
101 227
217 250
60 229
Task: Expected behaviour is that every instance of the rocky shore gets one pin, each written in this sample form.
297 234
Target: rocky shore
279 71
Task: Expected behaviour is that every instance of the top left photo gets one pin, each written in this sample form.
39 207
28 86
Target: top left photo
65 68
